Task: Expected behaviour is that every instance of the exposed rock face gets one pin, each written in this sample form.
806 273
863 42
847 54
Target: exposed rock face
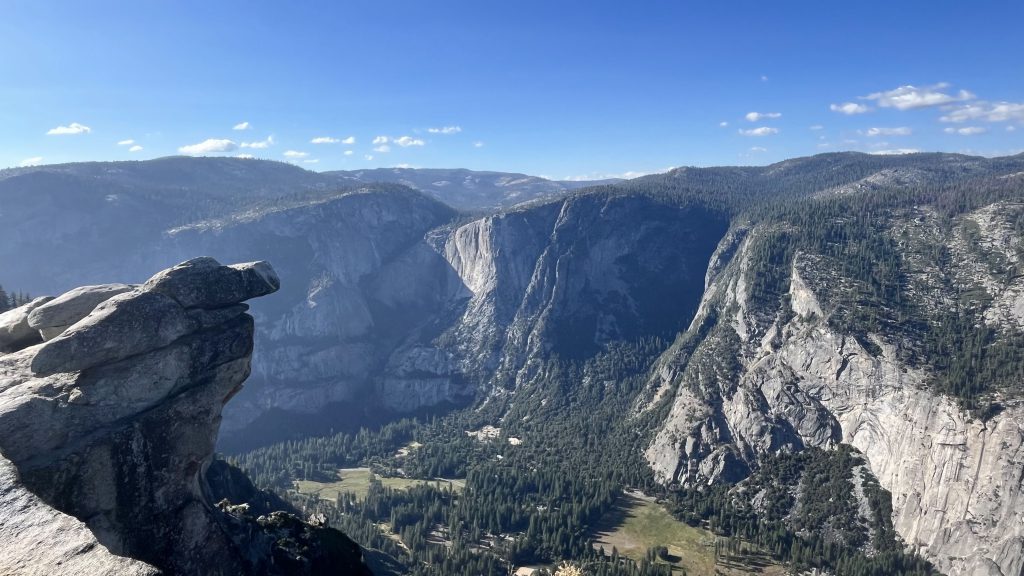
15 330
107 433
751 379
59 314
563 278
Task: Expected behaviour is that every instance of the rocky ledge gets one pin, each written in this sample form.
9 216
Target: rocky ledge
110 403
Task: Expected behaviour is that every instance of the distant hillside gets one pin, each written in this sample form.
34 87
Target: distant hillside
210 185
469 189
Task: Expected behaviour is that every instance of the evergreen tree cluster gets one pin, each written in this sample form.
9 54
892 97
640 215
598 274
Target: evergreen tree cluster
10 300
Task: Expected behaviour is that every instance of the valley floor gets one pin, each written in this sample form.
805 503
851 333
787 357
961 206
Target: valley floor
638 524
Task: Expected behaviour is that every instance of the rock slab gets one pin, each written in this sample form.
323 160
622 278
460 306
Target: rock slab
107 434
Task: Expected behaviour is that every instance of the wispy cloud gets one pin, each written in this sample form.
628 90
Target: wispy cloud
760 131
324 140
244 156
73 128
348 152
723 124
33 161
758 116
986 111
603 176
445 130
295 154
368 157
381 140
898 131
241 126
478 144
966 130
406 141
135 148
311 161
209 146
126 142
816 127
758 149
383 148
349 140
909 97
259 144
850 108
895 151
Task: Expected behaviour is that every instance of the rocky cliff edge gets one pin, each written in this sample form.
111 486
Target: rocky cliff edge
110 403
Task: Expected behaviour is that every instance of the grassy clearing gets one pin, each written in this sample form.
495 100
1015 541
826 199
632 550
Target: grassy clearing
639 524
357 480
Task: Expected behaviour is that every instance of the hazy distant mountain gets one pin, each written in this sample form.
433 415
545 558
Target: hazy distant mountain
469 189
206 181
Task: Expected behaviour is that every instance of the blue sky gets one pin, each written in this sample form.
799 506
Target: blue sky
561 89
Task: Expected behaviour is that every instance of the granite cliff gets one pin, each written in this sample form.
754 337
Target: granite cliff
755 376
110 404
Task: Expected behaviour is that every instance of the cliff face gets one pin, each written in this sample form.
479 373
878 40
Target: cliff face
562 279
107 431
391 306
751 378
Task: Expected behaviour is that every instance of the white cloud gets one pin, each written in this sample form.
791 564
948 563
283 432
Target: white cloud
259 144
986 111
966 130
764 78
898 131
241 126
126 142
445 130
1011 128
73 128
383 148
758 149
33 161
349 140
478 144
817 127
311 161
244 156
368 157
348 152
406 141
896 151
324 140
381 140
723 124
760 131
758 116
208 146
909 97
295 154
135 148
849 108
